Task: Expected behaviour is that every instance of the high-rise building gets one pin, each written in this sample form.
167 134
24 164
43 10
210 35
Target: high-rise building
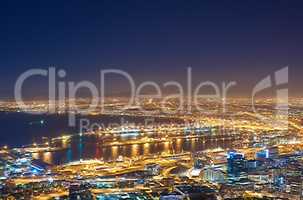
236 163
214 175
270 153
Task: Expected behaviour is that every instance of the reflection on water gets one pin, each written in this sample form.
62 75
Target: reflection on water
80 148
91 147
134 150
146 149
69 155
46 156
114 151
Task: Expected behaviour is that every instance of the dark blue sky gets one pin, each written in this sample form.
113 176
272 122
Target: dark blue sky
152 40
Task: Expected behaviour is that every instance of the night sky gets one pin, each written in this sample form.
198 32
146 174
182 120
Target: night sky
152 40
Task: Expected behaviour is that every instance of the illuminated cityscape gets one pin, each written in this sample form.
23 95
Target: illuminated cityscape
221 156
151 100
